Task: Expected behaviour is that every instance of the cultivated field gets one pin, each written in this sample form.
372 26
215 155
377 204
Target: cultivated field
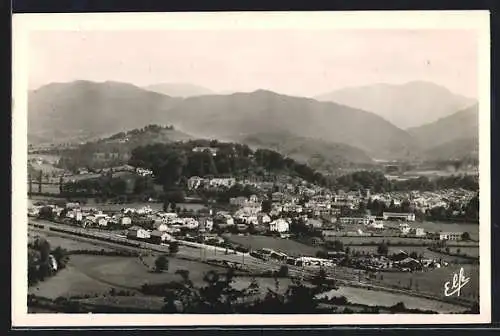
132 273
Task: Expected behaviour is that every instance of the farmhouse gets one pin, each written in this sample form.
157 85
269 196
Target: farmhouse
126 221
280 225
160 237
136 232
417 232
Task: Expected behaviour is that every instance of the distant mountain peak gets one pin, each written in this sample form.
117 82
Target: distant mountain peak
406 105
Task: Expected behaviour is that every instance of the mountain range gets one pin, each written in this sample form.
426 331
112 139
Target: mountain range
454 136
407 105
182 90
300 127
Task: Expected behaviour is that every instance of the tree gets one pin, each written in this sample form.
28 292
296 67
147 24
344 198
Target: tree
283 271
173 247
46 213
61 256
466 236
383 249
266 206
161 264
336 245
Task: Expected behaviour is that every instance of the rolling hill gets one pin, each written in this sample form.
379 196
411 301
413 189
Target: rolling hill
237 115
90 109
463 124
83 110
455 136
318 154
182 90
407 105
466 148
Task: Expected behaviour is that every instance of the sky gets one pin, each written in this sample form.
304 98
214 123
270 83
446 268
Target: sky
294 62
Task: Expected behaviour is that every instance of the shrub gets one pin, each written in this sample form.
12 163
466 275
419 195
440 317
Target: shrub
283 271
173 247
161 264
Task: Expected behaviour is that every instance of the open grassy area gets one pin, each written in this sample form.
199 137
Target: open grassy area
131 272
287 246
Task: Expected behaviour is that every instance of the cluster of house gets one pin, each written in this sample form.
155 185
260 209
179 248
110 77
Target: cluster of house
123 168
196 182
426 200
400 261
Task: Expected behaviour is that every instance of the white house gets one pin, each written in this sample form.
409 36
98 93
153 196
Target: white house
417 232
102 221
222 182
162 227
126 221
314 223
264 218
160 236
404 228
190 223
206 224
136 232
195 182
280 225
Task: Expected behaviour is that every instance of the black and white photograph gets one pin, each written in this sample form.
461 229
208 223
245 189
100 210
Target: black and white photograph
246 168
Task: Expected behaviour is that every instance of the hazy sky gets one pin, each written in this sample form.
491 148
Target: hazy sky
292 62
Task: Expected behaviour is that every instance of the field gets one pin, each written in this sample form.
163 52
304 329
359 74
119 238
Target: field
65 243
287 246
372 297
97 275
473 229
